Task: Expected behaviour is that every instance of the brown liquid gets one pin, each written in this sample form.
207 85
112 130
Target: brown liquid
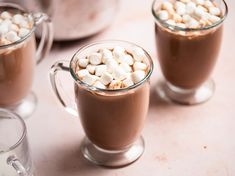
187 61
16 71
113 122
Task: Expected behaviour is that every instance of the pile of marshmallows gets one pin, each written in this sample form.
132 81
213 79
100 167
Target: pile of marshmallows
13 27
114 68
189 13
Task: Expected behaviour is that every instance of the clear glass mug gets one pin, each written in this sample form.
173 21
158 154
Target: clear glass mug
14 149
112 119
17 63
187 58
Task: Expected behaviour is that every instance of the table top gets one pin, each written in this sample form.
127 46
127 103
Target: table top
180 140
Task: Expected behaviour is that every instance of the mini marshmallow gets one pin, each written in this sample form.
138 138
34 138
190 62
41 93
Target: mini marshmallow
203 8
177 18
115 84
214 11
139 66
12 36
137 76
199 2
199 12
214 19
127 82
190 7
119 73
100 69
208 4
171 22
15 28
118 52
89 79
111 65
82 73
24 24
138 54
91 69
181 9
83 62
17 18
6 22
3 29
166 5
106 55
95 58
186 18
99 85
163 15
125 67
5 15
126 59
193 23
106 78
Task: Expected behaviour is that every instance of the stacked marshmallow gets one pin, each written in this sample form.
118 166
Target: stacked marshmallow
189 13
114 68
13 27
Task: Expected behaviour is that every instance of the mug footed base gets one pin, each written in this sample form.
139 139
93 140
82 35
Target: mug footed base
112 159
26 107
200 95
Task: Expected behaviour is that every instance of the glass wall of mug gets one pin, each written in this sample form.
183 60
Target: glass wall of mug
187 57
111 118
14 150
18 56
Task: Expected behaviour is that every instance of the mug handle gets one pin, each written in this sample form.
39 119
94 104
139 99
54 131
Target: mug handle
16 164
46 36
61 66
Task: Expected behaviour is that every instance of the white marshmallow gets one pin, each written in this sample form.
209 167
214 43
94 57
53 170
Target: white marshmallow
83 62
12 36
3 29
208 4
181 25
163 15
181 10
89 79
95 58
177 18
82 73
205 16
193 23
171 22
100 69
166 5
106 55
106 78
7 22
137 76
203 8
127 82
115 84
98 84
5 15
199 12
139 66
24 24
214 19
214 11
199 2
91 68
119 73
118 52
190 7
111 65
127 59
186 18
14 27
138 54
17 18
125 67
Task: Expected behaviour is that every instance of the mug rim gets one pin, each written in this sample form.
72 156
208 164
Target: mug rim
20 8
93 88
177 28
24 130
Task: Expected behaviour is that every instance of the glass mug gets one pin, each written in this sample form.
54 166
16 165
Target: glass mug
17 63
112 119
187 58
14 150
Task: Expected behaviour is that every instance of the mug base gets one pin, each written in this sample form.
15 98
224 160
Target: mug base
169 92
112 159
26 107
